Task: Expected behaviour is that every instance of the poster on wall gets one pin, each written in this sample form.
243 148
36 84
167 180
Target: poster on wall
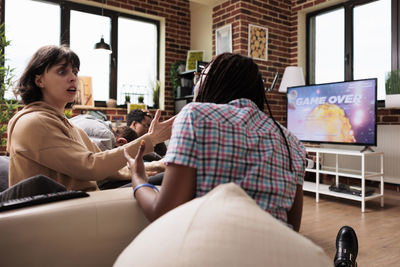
258 42
223 39
192 57
85 93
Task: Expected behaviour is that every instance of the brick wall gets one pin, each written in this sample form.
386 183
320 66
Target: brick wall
280 17
274 15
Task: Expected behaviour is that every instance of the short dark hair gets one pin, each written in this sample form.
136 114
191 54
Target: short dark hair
230 77
44 58
126 132
136 115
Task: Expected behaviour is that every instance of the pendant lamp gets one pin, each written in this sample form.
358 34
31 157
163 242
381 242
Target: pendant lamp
103 46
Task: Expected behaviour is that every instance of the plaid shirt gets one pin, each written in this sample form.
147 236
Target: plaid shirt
238 143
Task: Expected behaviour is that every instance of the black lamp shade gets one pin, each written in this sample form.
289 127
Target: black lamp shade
103 45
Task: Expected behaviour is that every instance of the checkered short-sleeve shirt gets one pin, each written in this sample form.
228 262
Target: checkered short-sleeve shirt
238 143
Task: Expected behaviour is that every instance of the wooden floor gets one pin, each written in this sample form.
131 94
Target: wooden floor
378 229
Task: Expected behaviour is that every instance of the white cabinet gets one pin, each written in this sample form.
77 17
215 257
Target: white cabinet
361 174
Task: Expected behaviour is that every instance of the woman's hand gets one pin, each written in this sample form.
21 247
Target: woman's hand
160 131
136 165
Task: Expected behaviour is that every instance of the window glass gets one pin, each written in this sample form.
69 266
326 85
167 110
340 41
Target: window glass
30 25
85 31
372 42
329 47
137 60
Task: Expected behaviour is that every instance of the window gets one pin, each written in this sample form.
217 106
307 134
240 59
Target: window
25 37
138 79
345 43
94 64
131 69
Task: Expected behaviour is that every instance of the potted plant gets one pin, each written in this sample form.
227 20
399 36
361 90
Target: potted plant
392 87
176 69
127 99
140 99
8 107
156 95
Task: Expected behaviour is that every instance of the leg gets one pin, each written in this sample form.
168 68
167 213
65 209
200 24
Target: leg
32 186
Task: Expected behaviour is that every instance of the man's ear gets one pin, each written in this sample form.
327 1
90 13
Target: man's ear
133 125
121 141
38 81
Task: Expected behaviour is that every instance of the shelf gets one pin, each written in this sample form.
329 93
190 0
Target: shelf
347 173
324 189
337 171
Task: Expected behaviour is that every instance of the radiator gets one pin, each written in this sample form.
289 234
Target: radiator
388 142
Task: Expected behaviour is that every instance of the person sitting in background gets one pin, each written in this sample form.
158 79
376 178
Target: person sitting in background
42 141
105 137
99 131
124 135
139 121
225 136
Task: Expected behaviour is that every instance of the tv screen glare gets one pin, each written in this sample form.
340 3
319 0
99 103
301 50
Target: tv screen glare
336 113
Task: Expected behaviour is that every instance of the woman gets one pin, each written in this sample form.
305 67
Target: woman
224 136
42 141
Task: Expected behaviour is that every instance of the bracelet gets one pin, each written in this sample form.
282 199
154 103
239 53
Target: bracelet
144 185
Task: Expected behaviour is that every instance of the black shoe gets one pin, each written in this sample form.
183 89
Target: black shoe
346 247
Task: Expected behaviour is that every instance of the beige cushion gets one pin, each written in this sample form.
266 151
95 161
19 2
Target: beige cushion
223 228
89 231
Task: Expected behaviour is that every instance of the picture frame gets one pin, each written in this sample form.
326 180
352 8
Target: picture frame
223 39
85 94
258 42
192 57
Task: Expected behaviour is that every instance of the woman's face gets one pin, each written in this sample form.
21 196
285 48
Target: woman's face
59 84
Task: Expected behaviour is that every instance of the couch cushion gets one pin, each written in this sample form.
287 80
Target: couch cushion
4 162
223 228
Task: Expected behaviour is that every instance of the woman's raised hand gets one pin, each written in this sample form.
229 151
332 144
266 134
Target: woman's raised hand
160 131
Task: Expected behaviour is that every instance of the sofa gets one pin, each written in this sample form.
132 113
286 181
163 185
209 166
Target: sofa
89 231
223 228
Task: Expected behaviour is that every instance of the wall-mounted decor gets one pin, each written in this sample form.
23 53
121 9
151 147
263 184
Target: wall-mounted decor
192 57
85 93
258 42
223 39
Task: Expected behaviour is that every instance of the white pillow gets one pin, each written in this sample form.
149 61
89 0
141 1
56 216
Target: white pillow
223 228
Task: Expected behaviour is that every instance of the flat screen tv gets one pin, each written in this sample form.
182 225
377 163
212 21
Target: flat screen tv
335 113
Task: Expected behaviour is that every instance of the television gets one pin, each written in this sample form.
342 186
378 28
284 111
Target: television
334 113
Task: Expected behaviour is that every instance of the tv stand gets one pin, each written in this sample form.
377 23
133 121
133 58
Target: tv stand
361 174
367 148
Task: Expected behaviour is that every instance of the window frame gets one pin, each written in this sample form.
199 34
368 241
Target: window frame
66 7
348 45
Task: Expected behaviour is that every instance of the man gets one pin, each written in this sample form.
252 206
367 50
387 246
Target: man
140 121
105 137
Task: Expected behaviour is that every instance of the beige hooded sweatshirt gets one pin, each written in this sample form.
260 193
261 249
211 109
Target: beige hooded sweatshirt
42 141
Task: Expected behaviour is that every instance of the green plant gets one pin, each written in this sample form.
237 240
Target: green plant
127 98
392 83
174 74
68 113
8 107
140 99
156 95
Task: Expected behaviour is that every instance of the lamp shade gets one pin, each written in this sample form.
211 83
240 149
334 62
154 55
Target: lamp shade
103 45
293 76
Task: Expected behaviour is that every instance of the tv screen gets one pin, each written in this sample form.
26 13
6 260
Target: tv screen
340 113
